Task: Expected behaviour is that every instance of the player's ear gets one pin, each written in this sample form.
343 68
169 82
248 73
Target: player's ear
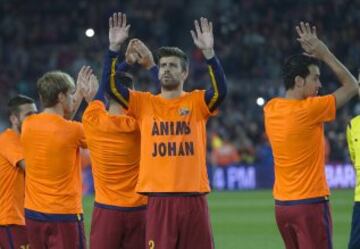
61 98
186 73
299 82
14 120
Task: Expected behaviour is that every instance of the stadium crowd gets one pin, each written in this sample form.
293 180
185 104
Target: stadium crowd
38 36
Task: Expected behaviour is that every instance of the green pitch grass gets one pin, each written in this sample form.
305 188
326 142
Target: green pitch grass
246 219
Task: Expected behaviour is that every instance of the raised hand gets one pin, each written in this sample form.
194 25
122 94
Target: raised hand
118 31
146 58
203 36
86 83
309 41
131 56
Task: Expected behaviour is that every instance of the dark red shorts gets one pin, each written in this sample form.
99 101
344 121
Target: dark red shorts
55 231
13 237
178 222
305 224
116 227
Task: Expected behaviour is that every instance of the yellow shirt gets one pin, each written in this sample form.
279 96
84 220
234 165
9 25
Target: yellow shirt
353 139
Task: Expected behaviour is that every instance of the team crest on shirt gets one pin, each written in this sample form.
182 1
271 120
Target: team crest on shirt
183 111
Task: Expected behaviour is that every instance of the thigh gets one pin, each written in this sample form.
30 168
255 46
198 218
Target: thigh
314 226
195 229
161 224
285 224
106 229
37 233
19 237
66 235
134 235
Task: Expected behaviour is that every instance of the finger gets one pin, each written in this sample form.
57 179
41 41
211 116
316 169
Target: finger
203 22
197 27
211 27
111 22
89 72
115 20
81 71
119 19
193 35
309 55
298 31
308 29
314 31
127 28
124 20
302 27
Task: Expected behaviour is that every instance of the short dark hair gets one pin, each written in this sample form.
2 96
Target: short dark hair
125 79
172 51
15 103
297 65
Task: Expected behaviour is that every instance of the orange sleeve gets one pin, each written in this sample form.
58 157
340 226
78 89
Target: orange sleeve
81 135
321 109
11 150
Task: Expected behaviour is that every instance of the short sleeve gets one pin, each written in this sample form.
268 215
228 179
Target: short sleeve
11 150
321 109
80 135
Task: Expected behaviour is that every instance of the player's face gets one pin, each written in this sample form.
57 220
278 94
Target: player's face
24 111
171 73
312 83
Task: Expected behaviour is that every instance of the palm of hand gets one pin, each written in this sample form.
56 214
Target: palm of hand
314 47
118 35
205 41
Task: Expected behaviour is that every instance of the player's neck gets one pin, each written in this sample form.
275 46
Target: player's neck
115 109
293 94
56 109
171 94
15 129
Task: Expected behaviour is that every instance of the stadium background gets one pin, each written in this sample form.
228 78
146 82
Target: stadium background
252 37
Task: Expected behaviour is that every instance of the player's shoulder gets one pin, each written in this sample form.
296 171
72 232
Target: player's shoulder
94 107
196 93
354 122
319 99
140 94
7 134
274 103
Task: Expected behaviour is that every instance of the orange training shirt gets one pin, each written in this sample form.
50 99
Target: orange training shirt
114 144
296 134
12 180
173 142
53 173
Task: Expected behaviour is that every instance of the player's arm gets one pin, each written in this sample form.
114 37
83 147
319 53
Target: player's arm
118 33
350 143
314 47
204 39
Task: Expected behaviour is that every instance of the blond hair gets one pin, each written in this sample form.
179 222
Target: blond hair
51 84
